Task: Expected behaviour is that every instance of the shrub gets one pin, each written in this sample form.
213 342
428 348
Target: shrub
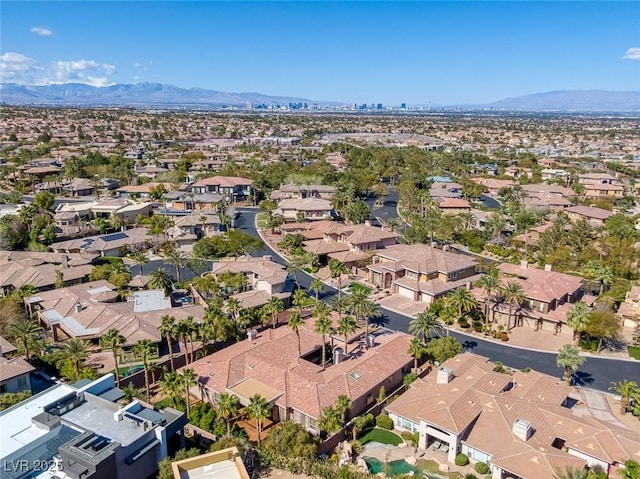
504 336
477 326
384 421
470 476
481 467
462 460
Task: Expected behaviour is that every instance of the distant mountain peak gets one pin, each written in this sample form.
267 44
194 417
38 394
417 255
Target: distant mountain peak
572 100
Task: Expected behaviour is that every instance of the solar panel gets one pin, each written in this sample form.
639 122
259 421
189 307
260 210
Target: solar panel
114 237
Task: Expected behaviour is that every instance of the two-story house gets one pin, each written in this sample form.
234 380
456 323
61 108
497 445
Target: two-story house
231 187
629 309
313 209
420 272
14 372
291 190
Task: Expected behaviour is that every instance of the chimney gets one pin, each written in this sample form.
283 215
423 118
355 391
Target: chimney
522 429
367 222
338 355
118 415
64 260
445 375
524 264
78 307
547 267
371 341
469 285
251 335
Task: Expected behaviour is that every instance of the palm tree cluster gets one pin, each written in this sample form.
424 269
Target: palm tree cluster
175 384
512 294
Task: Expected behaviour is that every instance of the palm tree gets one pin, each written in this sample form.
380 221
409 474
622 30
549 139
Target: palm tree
188 329
228 407
273 307
166 329
393 224
171 385
75 351
367 310
299 299
160 279
330 420
140 259
145 349
599 273
113 340
188 379
318 287
295 323
346 326
25 331
416 349
259 409
569 358
323 326
358 425
491 285
343 404
514 295
340 304
337 269
626 389
426 324
357 298
577 319
571 473
631 470
177 259
213 317
234 306
462 301
246 316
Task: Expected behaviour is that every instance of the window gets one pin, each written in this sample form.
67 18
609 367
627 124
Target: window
453 275
541 307
412 275
22 381
3 388
369 398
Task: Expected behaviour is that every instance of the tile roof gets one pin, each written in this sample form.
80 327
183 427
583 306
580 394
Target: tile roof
224 181
425 259
11 368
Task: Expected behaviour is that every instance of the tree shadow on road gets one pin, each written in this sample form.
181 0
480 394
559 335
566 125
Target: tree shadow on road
469 344
379 320
581 378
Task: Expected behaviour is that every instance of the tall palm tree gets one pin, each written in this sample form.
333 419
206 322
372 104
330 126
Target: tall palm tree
359 424
337 269
323 326
299 299
569 358
355 301
213 317
188 379
577 319
25 331
462 301
626 389
367 310
140 259
145 349
27 290
273 307
426 324
166 329
346 326
171 385
599 273
188 328
246 317
113 340
514 295
318 287
491 285
75 351
228 407
393 224
160 279
330 420
177 259
259 409
343 404
340 304
416 349
234 306
295 323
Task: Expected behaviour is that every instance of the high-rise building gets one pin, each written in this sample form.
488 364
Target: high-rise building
403 106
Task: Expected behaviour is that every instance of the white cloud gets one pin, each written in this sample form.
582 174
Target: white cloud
632 54
18 68
143 66
42 31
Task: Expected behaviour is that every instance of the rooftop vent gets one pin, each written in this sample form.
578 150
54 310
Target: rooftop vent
252 335
78 307
522 429
548 267
338 355
445 375
371 341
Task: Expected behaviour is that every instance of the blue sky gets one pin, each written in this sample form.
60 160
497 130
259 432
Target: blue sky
373 52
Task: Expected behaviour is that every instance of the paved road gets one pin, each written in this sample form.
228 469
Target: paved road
595 373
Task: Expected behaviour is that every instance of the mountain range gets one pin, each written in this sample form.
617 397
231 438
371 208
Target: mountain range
156 94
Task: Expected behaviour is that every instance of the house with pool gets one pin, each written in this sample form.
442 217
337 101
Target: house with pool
524 425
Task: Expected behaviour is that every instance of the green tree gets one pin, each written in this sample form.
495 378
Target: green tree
569 358
441 349
603 325
114 341
25 332
140 259
145 349
177 259
360 423
343 405
259 409
188 379
627 390
323 326
228 407
290 440
75 352
597 272
44 200
426 325
416 349
317 286
514 295
577 319
631 470
346 326
167 326
273 307
337 268
330 420
491 285
571 473
295 323
160 279
171 385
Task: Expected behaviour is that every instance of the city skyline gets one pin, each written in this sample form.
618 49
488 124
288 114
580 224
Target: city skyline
367 52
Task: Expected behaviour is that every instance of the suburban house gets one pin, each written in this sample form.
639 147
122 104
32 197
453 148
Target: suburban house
554 174
231 187
80 431
142 191
297 387
265 279
314 209
14 374
349 244
453 206
197 225
494 186
222 464
42 270
183 202
442 190
549 296
420 272
112 244
70 218
597 179
524 425
290 191
629 309
603 190
89 310
595 216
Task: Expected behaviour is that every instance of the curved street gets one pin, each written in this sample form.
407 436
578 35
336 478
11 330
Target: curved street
596 372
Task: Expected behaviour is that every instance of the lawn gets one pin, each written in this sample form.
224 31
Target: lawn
383 436
634 351
261 219
431 468
357 286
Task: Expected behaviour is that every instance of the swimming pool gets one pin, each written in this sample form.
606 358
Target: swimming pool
394 468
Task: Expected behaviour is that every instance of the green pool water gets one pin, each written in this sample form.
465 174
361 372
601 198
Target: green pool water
394 467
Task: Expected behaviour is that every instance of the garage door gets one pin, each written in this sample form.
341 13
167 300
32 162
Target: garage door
407 293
